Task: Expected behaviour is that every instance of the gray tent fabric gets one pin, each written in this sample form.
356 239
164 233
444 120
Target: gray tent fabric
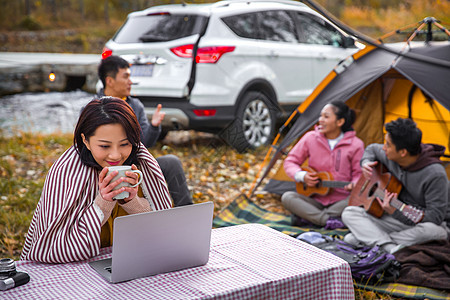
432 79
355 77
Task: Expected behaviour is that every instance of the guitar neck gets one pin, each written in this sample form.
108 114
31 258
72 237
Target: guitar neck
412 213
394 201
334 184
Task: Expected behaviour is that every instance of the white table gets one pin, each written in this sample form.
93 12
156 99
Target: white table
249 261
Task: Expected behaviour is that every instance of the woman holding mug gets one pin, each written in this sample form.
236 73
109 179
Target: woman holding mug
332 147
75 213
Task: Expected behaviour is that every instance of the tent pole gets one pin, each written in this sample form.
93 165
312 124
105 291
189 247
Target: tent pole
300 109
256 184
442 28
389 34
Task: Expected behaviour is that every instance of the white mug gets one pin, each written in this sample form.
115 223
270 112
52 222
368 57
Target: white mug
122 170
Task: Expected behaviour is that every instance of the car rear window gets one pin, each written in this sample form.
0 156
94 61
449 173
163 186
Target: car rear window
159 28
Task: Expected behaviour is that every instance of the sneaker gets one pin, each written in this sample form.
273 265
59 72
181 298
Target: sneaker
351 239
334 223
311 237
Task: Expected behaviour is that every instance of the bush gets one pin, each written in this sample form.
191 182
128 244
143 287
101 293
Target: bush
28 23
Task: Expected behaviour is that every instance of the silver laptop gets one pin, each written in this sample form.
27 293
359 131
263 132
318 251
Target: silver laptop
157 242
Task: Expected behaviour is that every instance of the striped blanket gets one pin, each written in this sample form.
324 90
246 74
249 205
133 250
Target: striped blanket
244 211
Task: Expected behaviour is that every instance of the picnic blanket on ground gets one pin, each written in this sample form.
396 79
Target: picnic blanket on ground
244 211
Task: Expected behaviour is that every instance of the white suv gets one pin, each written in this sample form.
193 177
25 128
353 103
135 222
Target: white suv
232 67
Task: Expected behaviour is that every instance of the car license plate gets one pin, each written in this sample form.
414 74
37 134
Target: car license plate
141 70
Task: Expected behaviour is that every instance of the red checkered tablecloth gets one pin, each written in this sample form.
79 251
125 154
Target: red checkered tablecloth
249 261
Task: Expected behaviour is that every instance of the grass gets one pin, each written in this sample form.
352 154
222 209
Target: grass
214 172
24 162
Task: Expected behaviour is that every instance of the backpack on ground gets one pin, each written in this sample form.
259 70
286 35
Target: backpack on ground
368 264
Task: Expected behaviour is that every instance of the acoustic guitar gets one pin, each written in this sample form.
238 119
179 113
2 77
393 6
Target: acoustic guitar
366 190
323 187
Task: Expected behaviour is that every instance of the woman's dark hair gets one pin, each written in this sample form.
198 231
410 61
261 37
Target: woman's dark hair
342 111
103 111
405 135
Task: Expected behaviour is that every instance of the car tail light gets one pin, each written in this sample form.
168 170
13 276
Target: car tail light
106 53
204 112
212 54
183 51
209 55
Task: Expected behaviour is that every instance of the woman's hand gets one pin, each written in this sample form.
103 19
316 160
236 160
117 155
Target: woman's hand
106 187
132 178
311 179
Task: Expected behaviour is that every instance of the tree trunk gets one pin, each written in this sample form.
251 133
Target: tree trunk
106 12
53 9
82 12
27 8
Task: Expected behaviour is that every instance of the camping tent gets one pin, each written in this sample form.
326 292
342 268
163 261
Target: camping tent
380 86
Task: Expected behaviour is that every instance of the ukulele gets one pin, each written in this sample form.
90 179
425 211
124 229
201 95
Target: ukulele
323 187
366 190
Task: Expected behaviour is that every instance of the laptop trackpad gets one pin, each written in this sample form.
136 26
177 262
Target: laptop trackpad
103 267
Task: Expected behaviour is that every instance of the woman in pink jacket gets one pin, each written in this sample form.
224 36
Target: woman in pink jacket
334 148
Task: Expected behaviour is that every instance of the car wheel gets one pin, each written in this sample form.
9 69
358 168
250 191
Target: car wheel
254 125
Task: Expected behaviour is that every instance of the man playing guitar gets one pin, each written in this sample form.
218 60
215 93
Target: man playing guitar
424 186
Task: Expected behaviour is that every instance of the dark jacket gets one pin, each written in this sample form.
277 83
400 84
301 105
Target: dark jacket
424 182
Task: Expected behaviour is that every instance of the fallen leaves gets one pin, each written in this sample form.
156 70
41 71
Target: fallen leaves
216 172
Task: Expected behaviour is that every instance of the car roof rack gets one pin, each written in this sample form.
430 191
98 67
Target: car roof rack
228 2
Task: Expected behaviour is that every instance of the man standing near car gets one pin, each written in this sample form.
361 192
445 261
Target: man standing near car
114 73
